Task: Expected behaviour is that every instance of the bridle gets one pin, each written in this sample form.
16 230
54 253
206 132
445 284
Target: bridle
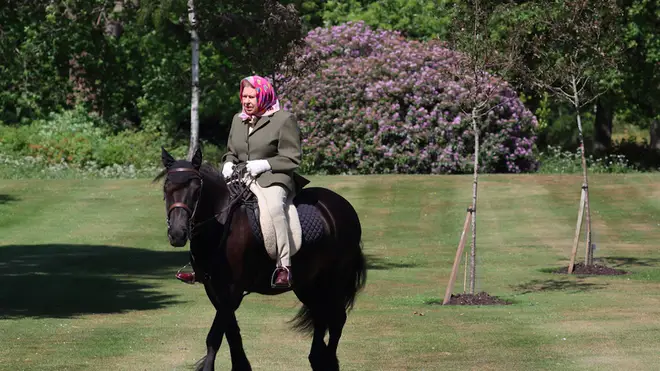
181 205
238 190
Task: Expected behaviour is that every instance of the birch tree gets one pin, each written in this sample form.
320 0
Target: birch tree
255 36
575 49
487 59
194 96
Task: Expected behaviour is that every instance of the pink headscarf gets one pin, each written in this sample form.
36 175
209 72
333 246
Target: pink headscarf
267 102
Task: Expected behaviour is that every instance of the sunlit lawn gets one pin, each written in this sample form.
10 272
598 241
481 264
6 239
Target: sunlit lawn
87 279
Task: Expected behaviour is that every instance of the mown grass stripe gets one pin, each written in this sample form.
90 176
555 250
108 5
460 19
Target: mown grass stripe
114 253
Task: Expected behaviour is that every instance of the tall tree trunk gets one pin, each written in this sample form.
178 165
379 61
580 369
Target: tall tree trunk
588 258
473 249
603 124
588 254
654 132
194 103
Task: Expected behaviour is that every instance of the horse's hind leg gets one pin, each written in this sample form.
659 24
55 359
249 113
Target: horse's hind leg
322 356
311 319
336 322
317 355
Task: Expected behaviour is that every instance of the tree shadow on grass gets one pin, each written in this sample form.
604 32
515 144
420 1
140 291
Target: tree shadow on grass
375 262
68 280
621 261
5 199
557 285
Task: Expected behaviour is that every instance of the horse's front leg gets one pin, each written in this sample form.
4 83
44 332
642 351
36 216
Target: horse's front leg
239 360
225 323
213 342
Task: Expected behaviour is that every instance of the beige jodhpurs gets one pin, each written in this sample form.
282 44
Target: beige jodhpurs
276 199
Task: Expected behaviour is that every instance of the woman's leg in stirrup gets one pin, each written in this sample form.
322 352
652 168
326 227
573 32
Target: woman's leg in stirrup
276 199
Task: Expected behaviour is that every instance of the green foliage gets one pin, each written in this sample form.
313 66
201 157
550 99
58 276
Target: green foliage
641 82
53 139
419 19
571 48
14 166
311 13
16 139
76 141
27 167
562 130
55 56
29 61
543 113
70 136
126 148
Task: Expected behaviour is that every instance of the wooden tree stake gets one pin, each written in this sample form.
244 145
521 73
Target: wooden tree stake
589 253
457 259
577 230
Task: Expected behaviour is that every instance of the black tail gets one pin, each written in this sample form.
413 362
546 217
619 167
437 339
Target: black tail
303 321
359 279
351 267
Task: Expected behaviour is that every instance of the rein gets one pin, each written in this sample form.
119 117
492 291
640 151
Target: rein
239 191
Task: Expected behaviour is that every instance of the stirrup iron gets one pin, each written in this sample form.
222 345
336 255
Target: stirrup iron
274 276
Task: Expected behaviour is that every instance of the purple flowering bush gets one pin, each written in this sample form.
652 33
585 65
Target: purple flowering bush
379 103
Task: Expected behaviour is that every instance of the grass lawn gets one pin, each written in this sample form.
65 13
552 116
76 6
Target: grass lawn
87 279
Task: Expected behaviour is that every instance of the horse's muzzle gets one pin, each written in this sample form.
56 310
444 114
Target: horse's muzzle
177 238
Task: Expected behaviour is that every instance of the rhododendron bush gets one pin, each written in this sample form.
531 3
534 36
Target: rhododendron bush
379 103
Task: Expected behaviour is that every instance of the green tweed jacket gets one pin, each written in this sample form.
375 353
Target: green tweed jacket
275 138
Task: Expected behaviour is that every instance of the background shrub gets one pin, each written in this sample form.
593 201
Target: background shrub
556 161
382 104
78 143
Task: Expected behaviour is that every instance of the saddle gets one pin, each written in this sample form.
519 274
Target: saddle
307 230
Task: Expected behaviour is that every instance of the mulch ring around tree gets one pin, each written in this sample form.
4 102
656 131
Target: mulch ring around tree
594 269
481 298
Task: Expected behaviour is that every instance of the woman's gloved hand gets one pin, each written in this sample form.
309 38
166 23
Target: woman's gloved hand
227 170
256 167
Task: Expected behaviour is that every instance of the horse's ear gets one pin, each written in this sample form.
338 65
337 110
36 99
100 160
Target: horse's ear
197 158
168 160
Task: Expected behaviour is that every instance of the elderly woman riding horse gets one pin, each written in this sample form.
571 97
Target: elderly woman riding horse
268 140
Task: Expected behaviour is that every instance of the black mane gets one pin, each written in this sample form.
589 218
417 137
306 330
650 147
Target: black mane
211 174
209 171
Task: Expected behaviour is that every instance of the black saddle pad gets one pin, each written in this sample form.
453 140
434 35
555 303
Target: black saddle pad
311 223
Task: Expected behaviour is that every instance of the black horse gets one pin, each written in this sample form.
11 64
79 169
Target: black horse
229 257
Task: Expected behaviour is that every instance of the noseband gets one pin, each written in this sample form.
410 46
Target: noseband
181 205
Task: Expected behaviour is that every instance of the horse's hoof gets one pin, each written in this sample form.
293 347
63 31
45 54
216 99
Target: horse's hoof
323 362
245 367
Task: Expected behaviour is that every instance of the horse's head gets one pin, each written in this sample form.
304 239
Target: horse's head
182 189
